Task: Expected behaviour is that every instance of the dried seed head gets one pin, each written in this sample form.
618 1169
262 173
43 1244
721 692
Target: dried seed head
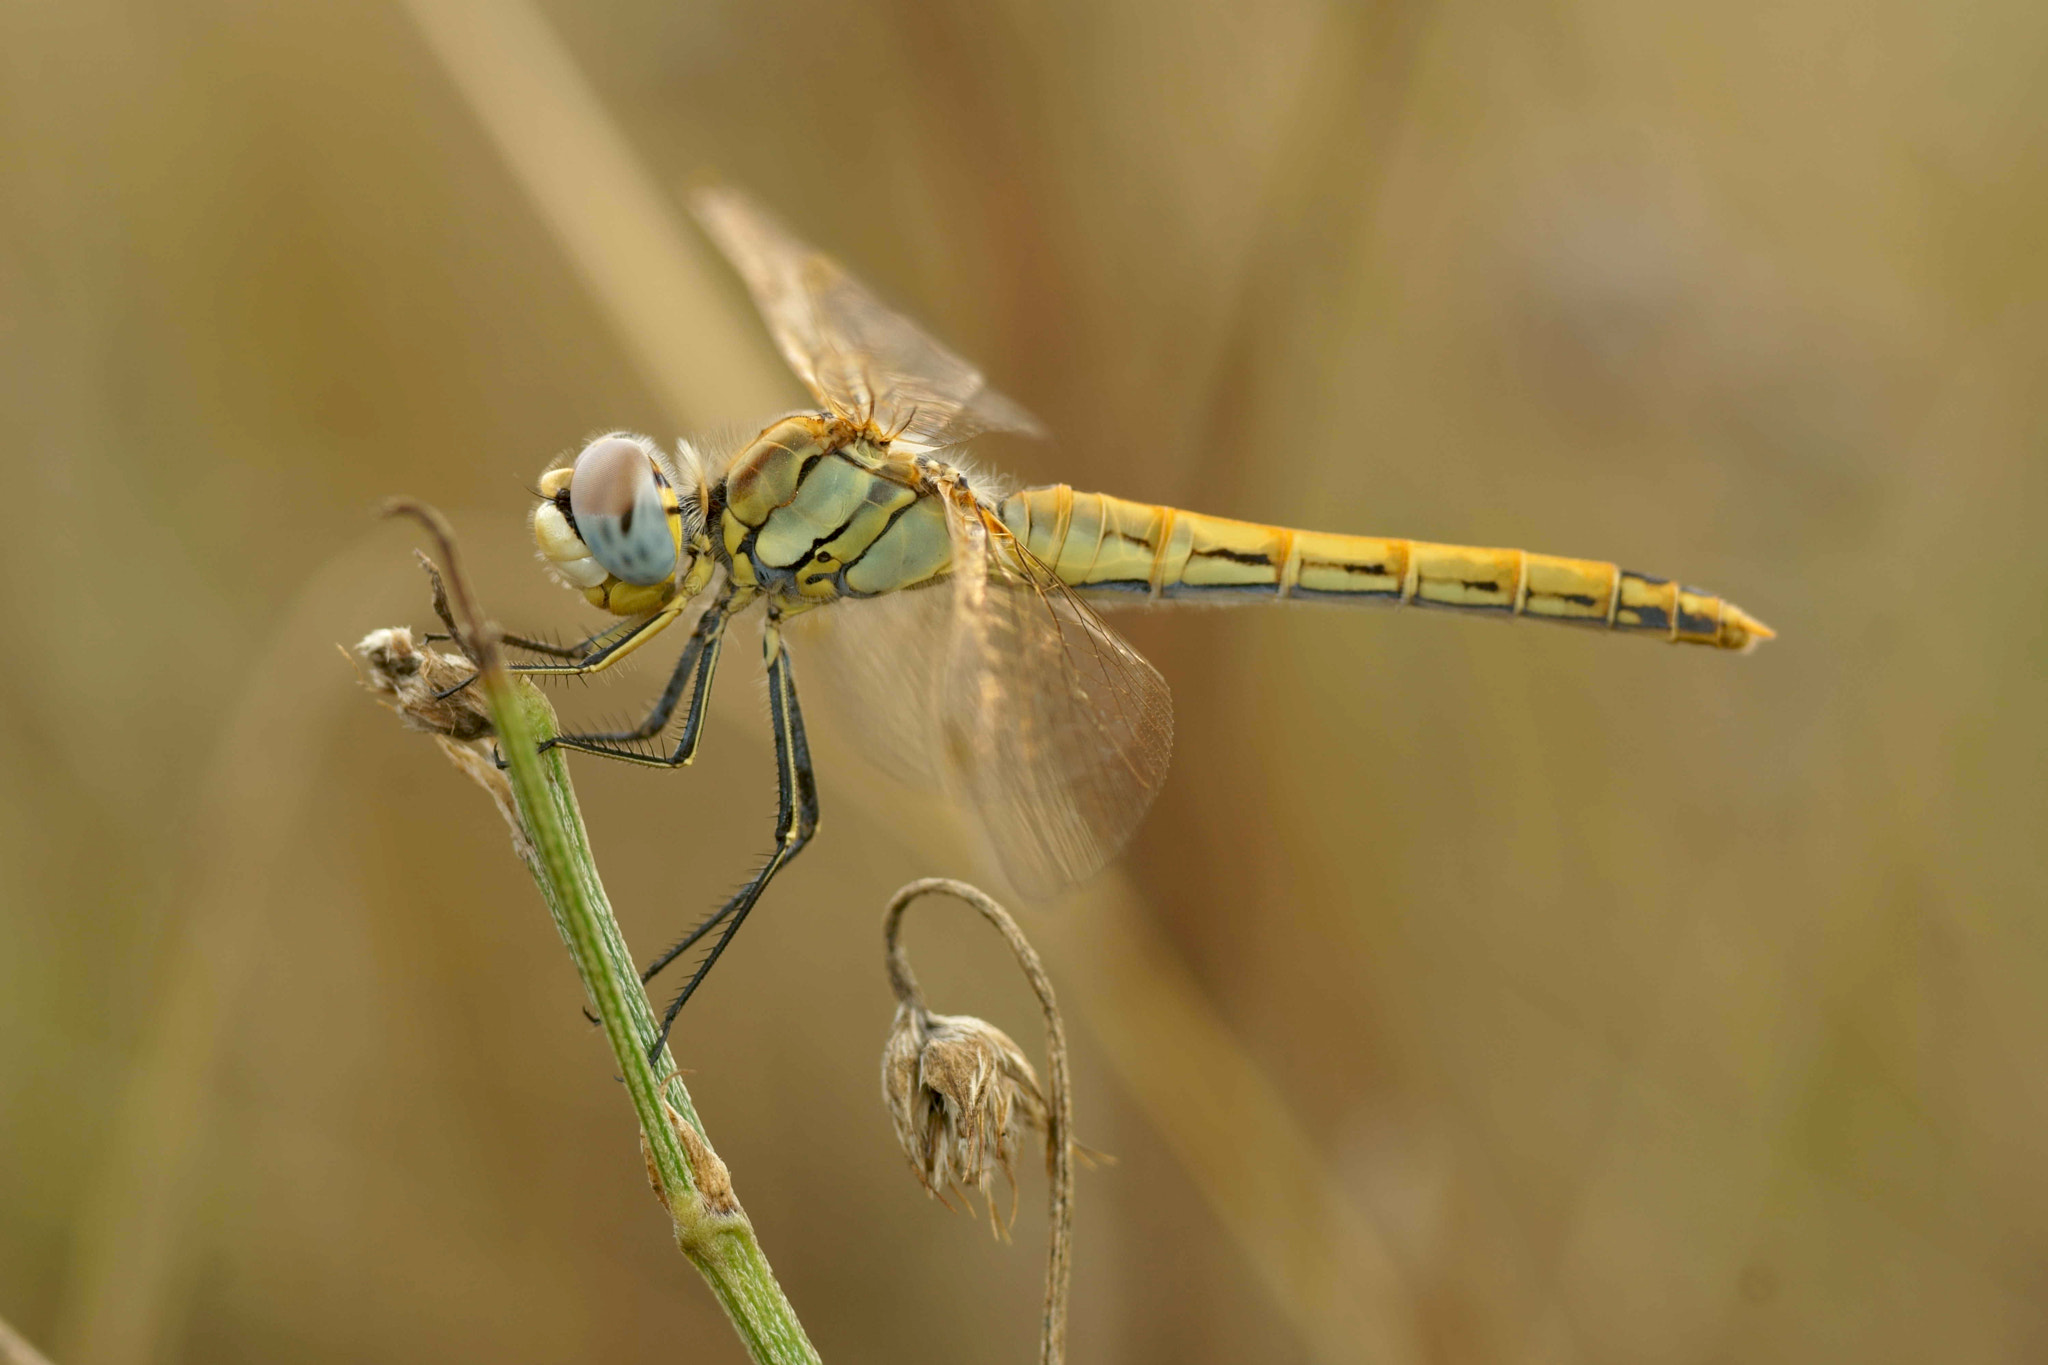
406 677
960 1094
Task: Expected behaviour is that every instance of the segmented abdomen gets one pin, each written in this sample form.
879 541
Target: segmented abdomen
1101 544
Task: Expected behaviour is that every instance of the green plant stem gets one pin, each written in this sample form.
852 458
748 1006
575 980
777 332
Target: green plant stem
711 1228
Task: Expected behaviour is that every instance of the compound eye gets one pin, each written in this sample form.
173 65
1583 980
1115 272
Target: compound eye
616 498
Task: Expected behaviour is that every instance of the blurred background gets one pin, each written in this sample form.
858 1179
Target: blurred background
1473 993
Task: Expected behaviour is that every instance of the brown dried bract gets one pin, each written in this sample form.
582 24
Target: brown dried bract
406 676
960 1095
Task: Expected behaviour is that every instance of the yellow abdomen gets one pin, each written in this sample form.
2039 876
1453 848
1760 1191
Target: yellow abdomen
1097 543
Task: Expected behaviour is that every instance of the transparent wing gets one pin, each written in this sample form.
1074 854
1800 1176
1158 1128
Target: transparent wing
1011 694
1055 730
872 668
864 361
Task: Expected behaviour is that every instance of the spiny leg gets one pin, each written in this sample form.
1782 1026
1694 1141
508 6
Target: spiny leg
554 651
700 657
531 646
780 685
796 820
607 647
793 765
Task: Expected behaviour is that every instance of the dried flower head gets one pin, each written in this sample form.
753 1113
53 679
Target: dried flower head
960 1094
409 678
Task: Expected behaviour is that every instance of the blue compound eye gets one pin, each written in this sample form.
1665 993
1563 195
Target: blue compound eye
615 496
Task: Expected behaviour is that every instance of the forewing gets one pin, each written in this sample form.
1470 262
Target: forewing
864 361
1052 729
878 662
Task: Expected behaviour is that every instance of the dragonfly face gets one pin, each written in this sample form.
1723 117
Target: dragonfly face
611 524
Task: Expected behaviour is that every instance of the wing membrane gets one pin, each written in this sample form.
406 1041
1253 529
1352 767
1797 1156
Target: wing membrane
879 660
1010 694
864 361
1053 729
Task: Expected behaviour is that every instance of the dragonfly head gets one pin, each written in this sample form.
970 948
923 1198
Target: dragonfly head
611 524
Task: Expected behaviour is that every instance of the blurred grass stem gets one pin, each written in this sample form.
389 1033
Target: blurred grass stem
711 1228
133 1262
15 1350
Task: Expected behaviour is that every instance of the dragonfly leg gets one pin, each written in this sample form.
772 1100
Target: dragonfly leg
609 646
531 646
700 658
603 650
553 651
796 820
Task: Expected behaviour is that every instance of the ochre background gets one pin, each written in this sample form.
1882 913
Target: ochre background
1534 996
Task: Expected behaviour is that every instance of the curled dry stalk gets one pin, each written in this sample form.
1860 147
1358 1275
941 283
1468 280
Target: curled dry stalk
960 1092
532 790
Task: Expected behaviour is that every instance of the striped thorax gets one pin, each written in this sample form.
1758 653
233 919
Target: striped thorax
812 512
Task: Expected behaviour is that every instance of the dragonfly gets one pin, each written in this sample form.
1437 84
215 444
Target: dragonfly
965 634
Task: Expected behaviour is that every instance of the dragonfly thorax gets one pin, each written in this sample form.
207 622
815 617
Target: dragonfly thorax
815 510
